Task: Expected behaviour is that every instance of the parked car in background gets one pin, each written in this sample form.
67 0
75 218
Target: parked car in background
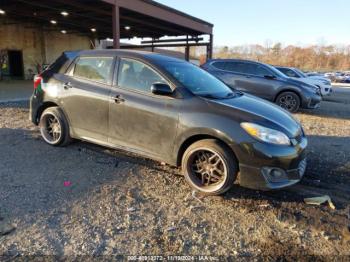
314 74
330 76
317 76
172 111
341 77
265 81
347 78
324 84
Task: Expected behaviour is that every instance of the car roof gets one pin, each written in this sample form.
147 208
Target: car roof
151 56
286 67
234 60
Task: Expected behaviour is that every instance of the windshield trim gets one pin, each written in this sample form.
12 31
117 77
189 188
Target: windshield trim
299 72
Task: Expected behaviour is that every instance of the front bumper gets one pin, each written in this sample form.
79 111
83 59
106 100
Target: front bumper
263 159
312 102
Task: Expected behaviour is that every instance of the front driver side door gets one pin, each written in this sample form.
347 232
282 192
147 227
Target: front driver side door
138 119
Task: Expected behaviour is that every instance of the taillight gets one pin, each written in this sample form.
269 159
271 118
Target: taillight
37 82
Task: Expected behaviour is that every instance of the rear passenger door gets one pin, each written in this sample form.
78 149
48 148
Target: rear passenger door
86 95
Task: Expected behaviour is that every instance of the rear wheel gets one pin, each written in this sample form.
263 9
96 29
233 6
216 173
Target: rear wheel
210 167
289 101
54 127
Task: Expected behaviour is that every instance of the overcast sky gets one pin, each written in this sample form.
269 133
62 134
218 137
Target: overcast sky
298 22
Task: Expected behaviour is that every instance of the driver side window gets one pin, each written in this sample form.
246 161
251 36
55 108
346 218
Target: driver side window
137 76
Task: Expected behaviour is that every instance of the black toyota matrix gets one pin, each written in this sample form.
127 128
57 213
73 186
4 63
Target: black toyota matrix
172 111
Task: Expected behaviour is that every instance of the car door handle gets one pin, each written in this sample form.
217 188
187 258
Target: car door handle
118 99
67 86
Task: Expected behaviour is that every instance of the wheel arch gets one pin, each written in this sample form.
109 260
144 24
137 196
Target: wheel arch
45 105
191 139
42 108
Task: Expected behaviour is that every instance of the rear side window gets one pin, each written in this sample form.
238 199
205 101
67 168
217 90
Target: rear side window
247 68
219 65
97 69
236 67
257 70
137 76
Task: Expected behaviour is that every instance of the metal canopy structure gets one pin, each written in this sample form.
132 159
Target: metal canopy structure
116 19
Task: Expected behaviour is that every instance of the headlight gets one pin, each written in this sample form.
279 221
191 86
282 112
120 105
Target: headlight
266 134
310 87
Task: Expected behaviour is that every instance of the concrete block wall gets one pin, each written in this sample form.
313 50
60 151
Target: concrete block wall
38 46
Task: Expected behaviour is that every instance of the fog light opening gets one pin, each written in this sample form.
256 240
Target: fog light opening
274 174
277 173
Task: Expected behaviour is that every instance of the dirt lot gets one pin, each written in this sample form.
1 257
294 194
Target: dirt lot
114 203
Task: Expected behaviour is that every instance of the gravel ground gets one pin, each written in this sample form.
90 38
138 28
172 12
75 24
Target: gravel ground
86 200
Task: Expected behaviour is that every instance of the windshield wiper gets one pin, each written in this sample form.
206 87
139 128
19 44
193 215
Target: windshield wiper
210 96
231 95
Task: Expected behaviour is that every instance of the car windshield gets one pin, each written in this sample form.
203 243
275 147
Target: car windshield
198 81
300 73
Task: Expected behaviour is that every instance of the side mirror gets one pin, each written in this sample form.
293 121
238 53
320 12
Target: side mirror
271 77
161 89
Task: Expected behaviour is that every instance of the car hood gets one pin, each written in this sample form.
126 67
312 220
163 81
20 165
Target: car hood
319 78
248 108
297 81
311 81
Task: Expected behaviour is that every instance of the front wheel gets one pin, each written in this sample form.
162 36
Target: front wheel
289 101
54 127
209 167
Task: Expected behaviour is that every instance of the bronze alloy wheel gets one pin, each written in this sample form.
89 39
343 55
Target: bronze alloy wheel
210 167
50 128
54 127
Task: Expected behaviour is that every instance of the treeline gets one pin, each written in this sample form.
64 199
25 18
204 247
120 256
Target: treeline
313 58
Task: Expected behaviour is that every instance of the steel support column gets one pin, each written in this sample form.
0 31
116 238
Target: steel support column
116 27
210 47
187 50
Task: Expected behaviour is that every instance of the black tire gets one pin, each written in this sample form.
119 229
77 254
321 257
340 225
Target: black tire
289 101
192 162
54 127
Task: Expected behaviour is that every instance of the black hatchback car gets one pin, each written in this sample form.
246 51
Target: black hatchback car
265 81
172 111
